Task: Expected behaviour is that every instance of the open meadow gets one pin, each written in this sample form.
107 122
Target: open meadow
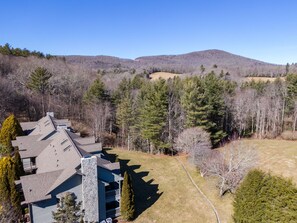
164 193
163 75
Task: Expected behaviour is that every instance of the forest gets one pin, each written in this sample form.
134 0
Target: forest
122 107
148 115
133 111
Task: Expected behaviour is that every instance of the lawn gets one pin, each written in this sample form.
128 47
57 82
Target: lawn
165 194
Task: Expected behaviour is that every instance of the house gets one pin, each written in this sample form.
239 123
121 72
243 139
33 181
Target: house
59 161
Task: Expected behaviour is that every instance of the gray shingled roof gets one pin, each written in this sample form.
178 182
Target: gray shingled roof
28 125
35 186
90 148
29 146
57 161
44 127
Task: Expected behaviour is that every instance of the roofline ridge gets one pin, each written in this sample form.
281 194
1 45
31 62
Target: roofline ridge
52 122
73 143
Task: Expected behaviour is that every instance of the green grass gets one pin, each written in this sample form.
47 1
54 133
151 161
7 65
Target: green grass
165 194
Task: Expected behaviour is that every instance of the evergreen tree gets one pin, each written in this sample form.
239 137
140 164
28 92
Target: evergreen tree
265 198
96 92
19 169
8 192
127 199
11 128
153 109
4 150
124 115
39 82
68 211
204 106
193 102
214 99
123 90
291 81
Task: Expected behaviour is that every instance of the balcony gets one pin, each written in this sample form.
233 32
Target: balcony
113 213
29 167
112 195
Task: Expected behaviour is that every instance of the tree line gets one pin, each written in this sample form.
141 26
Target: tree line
149 115
7 49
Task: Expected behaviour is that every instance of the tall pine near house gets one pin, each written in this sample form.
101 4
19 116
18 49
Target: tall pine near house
39 82
193 103
214 93
68 210
153 110
124 115
11 128
127 199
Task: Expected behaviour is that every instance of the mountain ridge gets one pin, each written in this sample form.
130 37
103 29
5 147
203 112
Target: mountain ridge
211 60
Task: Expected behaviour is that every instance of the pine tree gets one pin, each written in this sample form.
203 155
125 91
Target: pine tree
39 82
19 169
153 109
68 211
124 116
127 199
96 92
123 90
291 81
214 98
11 128
193 102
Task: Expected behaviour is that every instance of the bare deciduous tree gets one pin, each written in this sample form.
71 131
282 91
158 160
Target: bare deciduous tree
230 165
98 115
193 141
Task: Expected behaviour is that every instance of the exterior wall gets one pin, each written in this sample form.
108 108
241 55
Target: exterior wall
72 185
101 201
106 175
42 211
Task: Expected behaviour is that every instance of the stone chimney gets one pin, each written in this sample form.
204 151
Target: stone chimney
90 188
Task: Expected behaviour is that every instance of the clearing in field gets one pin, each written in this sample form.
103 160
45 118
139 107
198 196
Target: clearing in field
163 75
164 193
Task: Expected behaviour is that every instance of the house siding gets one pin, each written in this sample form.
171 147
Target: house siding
42 211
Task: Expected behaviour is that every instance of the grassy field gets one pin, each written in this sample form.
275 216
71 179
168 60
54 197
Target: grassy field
165 194
164 75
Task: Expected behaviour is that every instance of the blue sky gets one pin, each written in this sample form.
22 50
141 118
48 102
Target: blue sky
260 29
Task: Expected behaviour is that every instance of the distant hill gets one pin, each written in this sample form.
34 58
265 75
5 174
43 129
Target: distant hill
216 60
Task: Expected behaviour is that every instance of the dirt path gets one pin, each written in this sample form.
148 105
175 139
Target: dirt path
200 191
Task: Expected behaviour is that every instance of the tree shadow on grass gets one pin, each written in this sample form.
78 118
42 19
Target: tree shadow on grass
146 193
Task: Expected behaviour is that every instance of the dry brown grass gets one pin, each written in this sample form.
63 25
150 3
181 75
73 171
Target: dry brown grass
277 156
180 201
163 75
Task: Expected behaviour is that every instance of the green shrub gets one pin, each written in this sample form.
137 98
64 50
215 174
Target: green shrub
265 198
127 200
10 130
